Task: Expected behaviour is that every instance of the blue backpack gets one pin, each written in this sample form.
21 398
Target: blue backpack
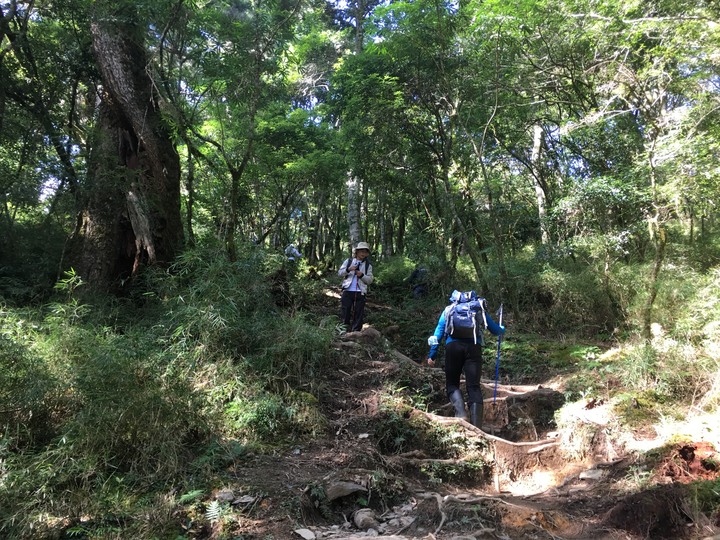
465 317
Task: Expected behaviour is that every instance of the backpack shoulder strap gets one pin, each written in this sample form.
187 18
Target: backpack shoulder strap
483 306
448 317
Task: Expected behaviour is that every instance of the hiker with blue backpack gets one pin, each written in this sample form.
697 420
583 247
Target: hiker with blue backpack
461 325
357 275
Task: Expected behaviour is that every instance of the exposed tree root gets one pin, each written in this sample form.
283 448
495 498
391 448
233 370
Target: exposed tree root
529 446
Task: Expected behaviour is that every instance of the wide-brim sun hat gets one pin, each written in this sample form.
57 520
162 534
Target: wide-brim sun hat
362 245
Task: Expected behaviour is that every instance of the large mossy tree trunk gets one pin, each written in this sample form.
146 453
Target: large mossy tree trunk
131 212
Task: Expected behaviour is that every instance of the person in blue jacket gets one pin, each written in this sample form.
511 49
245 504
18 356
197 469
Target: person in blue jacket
463 354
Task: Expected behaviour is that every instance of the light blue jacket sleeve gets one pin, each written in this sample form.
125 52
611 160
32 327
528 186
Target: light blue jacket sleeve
439 334
494 327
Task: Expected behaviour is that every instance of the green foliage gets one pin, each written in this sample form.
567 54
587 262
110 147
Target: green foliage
29 258
555 294
647 379
191 496
386 489
218 454
398 430
391 279
274 419
679 285
34 396
520 360
642 407
394 432
296 358
133 417
109 397
706 496
471 471
532 358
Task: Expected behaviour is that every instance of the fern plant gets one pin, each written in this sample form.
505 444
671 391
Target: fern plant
214 511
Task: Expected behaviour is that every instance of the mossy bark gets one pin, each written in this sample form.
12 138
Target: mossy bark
130 214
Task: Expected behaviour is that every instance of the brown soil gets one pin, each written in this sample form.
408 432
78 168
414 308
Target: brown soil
378 472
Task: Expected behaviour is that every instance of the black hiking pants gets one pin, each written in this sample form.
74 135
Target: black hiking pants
352 306
461 355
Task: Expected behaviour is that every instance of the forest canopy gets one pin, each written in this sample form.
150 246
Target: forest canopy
133 129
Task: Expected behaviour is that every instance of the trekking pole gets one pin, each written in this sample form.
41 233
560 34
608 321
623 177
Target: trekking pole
497 361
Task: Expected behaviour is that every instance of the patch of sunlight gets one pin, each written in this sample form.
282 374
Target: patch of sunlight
699 427
643 445
611 355
601 414
558 382
540 481
713 350
660 341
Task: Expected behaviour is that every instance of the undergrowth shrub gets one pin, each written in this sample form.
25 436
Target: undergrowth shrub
132 416
682 359
131 394
125 425
559 296
461 460
394 432
29 256
287 350
31 398
390 279
677 291
274 418
217 307
205 301
705 497
699 325
392 285
399 429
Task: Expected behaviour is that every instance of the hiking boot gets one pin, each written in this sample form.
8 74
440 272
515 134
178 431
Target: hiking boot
476 414
457 402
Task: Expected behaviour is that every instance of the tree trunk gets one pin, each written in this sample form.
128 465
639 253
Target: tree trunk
190 186
132 215
400 234
540 195
353 213
660 241
387 242
659 238
102 249
315 230
469 239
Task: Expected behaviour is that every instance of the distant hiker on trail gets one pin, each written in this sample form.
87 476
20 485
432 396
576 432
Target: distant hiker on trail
292 253
462 324
418 281
357 275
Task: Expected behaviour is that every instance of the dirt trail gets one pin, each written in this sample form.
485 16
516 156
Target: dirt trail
360 478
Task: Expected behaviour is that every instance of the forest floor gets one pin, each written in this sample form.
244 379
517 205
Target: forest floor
587 479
